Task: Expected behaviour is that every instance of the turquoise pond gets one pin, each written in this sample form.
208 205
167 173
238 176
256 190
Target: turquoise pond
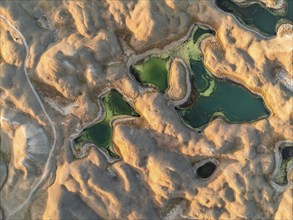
257 16
101 132
224 98
213 97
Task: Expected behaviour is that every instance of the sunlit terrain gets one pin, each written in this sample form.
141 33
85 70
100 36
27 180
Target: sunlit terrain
146 109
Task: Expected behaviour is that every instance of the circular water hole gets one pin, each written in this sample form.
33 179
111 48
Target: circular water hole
206 170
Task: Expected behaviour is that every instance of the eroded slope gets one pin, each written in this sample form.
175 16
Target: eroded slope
77 52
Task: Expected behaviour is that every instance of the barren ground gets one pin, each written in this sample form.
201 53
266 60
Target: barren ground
58 58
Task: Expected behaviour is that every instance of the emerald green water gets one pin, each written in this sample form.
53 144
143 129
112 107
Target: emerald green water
153 71
256 15
220 98
215 97
101 132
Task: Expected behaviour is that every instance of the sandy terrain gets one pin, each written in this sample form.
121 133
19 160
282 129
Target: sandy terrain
57 58
272 4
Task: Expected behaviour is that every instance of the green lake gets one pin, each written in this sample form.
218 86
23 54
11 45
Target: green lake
101 133
220 98
152 72
214 97
257 16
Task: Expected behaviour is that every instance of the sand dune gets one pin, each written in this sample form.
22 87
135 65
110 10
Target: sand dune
76 52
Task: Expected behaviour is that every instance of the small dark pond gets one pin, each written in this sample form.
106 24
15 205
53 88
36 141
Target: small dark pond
206 170
286 150
287 153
